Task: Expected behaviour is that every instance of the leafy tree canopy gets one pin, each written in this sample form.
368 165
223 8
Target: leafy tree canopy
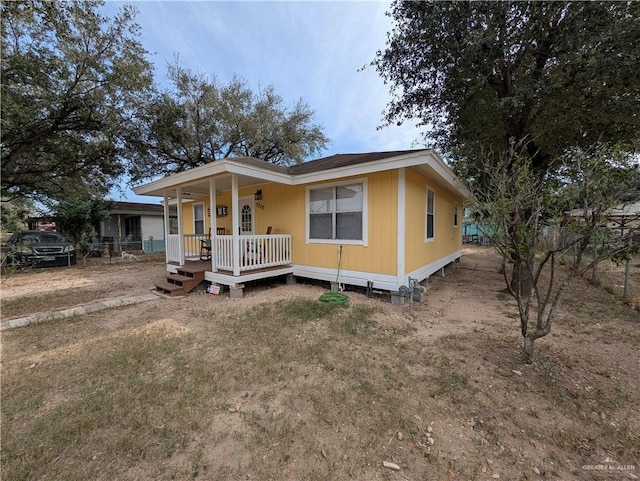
78 217
70 78
13 214
201 120
538 104
545 75
563 221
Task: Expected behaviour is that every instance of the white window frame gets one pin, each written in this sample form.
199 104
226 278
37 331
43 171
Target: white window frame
426 215
204 218
365 213
456 213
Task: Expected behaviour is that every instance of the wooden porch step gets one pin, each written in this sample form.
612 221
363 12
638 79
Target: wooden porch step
178 278
182 282
169 289
187 283
195 271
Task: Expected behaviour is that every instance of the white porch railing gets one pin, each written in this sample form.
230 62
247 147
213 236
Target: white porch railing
256 251
193 244
173 248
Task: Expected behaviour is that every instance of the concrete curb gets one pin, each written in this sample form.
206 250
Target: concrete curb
76 311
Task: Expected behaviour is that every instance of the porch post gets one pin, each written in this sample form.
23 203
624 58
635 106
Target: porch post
213 223
235 224
165 204
180 231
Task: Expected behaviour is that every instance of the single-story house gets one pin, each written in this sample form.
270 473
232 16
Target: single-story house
133 226
622 217
625 216
370 219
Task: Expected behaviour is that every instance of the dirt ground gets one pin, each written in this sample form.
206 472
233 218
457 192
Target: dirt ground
573 414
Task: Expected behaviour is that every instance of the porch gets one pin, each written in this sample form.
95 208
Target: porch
231 260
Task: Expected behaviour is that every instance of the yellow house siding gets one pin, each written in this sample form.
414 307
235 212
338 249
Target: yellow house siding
187 217
284 209
447 238
379 255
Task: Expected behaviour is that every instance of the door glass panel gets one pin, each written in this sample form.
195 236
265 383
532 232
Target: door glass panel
246 221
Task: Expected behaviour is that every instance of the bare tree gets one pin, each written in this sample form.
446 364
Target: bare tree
516 207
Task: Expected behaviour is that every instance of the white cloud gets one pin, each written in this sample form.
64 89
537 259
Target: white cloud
310 50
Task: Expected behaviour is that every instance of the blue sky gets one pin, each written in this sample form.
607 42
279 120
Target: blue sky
309 50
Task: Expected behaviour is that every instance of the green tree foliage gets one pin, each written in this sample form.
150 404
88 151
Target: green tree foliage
13 214
78 218
546 76
70 78
516 93
201 120
560 221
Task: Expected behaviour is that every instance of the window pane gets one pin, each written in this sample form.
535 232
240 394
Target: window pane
246 223
349 198
199 227
320 226
349 226
198 212
430 198
320 200
429 226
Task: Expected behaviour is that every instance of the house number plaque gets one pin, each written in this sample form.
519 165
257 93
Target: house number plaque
221 211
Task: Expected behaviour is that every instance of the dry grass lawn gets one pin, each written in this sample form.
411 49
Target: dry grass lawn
278 386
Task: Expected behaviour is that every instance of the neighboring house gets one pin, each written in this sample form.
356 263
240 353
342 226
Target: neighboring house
134 227
622 217
371 219
625 216
474 232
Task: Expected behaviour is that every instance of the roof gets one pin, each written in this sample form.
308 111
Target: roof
136 208
251 172
344 160
627 210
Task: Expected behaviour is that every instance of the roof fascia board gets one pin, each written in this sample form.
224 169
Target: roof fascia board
213 168
181 178
136 212
258 173
414 159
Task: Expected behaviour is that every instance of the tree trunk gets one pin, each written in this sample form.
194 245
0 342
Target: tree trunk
527 349
521 280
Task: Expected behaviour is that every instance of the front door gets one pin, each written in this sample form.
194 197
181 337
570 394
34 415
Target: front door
246 218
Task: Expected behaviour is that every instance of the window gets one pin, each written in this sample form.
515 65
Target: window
132 228
455 214
431 214
173 225
198 218
246 221
337 213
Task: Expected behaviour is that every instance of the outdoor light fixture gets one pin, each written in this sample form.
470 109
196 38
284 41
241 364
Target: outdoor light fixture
258 194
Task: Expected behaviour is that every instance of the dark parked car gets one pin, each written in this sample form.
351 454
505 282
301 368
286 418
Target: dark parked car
39 248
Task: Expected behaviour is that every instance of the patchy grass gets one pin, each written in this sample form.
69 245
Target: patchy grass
299 389
23 306
611 277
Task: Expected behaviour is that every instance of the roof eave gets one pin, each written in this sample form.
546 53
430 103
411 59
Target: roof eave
413 159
